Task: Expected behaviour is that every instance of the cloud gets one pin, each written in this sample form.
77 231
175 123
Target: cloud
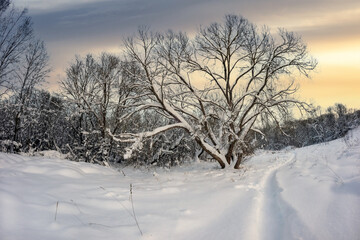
41 6
92 18
86 26
337 25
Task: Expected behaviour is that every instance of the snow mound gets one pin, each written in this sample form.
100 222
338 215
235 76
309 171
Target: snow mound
306 193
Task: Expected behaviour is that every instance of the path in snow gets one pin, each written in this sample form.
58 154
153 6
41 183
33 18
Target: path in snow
277 218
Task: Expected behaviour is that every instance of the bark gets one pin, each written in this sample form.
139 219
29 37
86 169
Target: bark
212 154
17 123
238 161
229 154
17 127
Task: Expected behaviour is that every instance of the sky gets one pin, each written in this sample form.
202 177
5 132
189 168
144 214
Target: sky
331 29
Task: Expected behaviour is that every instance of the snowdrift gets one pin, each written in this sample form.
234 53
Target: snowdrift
307 193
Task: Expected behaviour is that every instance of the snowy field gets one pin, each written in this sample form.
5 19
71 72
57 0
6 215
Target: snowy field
307 193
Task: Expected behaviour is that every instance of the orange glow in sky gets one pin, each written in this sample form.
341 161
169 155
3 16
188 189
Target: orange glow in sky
337 77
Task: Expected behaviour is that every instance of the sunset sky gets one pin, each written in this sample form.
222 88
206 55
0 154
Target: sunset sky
331 28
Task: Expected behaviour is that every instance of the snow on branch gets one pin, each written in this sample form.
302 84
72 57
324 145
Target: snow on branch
137 138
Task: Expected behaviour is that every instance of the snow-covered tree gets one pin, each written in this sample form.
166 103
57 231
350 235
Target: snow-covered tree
102 94
28 74
216 85
90 86
43 123
23 66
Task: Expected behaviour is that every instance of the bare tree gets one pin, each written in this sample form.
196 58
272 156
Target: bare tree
15 33
91 85
79 87
30 73
100 91
217 85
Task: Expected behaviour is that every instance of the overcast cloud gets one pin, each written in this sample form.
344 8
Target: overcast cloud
72 27
102 19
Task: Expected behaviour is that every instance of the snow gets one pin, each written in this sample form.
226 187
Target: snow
306 193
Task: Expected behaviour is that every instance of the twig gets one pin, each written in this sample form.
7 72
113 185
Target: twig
132 205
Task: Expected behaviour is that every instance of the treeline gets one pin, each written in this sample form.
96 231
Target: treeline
52 122
333 124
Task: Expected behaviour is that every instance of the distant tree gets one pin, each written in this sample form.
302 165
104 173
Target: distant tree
23 67
100 91
91 85
43 124
243 71
318 127
28 74
15 33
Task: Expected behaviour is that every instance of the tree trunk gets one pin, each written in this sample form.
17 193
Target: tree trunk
229 154
212 154
238 161
17 123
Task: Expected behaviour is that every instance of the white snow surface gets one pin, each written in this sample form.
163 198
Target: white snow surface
307 193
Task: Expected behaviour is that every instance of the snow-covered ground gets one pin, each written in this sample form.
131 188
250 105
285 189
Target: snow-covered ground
307 193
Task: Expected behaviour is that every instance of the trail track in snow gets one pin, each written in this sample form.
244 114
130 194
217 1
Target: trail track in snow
258 208
268 205
276 218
